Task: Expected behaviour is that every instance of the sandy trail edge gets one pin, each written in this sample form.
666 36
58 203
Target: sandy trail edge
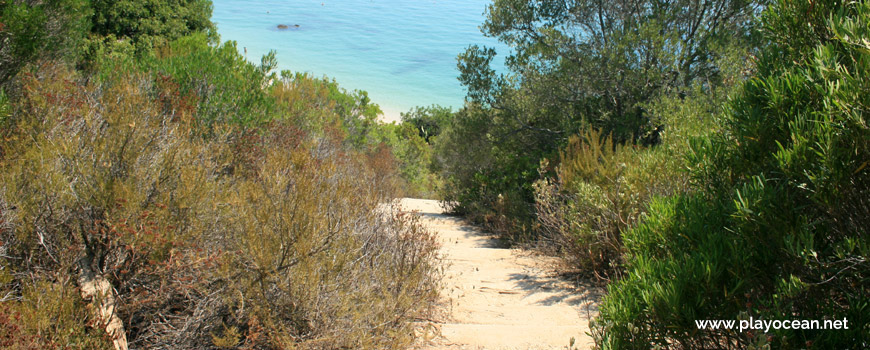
497 298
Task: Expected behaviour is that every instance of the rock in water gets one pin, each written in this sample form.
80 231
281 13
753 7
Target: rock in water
288 27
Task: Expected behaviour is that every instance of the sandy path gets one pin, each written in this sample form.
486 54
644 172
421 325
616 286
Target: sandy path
497 298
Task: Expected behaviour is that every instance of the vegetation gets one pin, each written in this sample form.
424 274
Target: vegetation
707 159
575 66
34 30
778 228
203 201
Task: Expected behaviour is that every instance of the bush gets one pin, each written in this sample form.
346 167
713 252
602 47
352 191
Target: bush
602 189
583 211
34 30
251 235
483 177
337 274
224 86
778 229
101 182
428 121
572 70
139 26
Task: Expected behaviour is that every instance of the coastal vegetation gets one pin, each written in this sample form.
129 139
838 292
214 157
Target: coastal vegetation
703 159
160 191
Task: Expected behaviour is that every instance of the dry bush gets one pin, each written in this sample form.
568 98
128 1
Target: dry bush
253 238
601 190
103 180
336 273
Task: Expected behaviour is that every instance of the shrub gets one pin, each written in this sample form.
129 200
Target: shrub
602 189
778 230
320 105
484 177
101 183
34 30
246 236
228 89
583 211
139 26
337 273
428 121
174 196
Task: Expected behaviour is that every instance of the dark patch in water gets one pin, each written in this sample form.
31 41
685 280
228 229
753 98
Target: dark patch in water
417 62
287 27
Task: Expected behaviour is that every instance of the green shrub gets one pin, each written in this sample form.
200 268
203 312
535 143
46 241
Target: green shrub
484 176
601 189
136 27
778 230
228 89
428 121
35 30
572 69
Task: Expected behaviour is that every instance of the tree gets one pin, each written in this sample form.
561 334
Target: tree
581 64
428 121
151 19
130 27
598 61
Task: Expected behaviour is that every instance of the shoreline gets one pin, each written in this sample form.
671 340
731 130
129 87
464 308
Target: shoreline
389 115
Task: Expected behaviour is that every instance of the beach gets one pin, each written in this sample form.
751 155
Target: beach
402 53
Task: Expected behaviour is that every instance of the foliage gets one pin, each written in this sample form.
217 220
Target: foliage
100 180
145 24
483 178
338 273
585 211
580 62
414 159
224 86
576 66
318 104
602 189
33 30
49 316
411 143
225 206
779 228
428 121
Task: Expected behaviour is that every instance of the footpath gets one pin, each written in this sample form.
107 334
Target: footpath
499 298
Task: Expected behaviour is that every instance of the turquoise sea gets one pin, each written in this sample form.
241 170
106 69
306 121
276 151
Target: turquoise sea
402 52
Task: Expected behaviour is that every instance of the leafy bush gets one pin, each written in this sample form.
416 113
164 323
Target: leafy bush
428 121
321 106
602 189
136 27
577 66
778 231
34 30
226 87
483 177
584 210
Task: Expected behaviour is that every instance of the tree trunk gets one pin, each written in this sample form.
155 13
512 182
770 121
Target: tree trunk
99 291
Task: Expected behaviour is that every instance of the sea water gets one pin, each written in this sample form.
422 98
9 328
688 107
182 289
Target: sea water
402 52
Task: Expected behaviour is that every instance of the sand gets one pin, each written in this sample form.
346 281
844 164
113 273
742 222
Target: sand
499 298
